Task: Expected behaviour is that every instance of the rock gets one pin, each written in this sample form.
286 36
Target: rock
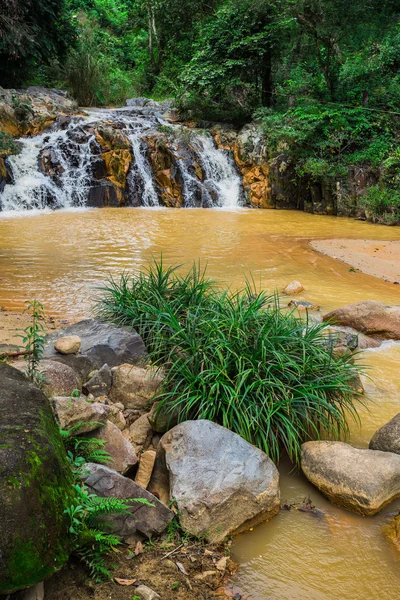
160 419
116 417
221 484
101 344
73 411
135 387
362 481
294 287
123 455
159 482
146 593
145 469
69 344
139 433
303 305
34 593
60 379
100 383
143 519
387 438
370 317
347 337
35 485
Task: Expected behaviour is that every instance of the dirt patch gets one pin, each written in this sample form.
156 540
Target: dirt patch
190 571
377 258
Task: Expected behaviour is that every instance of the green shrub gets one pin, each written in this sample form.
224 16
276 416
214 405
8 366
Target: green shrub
7 145
236 358
382 205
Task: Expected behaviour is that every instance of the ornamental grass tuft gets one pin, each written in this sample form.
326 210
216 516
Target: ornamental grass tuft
237 358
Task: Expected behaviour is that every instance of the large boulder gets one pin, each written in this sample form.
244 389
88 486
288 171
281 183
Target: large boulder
35 485
101 344
79 414
142 519
135 387
222 484
372 318
60 379
387 438
123 455
360 480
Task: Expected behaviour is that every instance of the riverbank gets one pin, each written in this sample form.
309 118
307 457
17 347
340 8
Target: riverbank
13 323
372 257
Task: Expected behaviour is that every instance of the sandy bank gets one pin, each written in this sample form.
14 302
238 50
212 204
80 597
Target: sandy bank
12 324
377 258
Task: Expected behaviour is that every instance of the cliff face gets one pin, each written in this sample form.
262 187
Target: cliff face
274 182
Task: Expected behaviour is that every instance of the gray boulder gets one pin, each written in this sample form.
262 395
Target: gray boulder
101 344
35 485
362 481
73 411
372 318
222 484
100 383
142 519
387 438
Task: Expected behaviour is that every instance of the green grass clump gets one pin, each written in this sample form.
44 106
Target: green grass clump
235 358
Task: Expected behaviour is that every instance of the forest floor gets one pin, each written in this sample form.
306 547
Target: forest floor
377 258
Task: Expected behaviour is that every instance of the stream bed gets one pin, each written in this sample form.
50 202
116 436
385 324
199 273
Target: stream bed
62 257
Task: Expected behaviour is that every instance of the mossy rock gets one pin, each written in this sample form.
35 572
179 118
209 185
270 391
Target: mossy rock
35 485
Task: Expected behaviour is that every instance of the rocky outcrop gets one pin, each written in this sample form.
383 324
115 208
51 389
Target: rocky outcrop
35 485
28 112
142 519
221 484
387 438
135 387
165 169
376 319
362 481
101 344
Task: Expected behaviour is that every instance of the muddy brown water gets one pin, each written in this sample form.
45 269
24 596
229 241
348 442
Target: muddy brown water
61 258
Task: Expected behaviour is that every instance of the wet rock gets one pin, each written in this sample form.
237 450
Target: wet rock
139 433
69 344
387 438
60 379
145 469
101 344
303 305
100 383
362 481
35 485
349 338
135 387
294 287
146 593
73 411
221 484
372 318
123 455
141 519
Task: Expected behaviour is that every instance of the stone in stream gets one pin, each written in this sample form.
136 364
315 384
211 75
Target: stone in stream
294 287
142 519
72 412
373 318
69 344
360 480
303 305
101 343
135 387
35 485
387 438
221 484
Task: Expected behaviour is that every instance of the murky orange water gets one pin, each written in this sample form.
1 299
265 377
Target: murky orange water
62 258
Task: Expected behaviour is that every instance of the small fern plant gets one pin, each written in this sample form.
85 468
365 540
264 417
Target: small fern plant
83 450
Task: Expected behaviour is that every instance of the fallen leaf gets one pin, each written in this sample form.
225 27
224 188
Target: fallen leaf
138 548
124 581
181 568
221 564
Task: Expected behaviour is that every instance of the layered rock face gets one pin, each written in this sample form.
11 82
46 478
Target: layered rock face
35 485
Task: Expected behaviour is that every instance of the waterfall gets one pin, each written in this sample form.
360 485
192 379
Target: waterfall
75 165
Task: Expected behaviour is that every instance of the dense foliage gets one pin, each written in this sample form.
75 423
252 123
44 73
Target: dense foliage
236 358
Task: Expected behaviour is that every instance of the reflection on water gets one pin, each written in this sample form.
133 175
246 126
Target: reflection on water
61 258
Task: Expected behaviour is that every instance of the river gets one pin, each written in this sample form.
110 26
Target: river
63 257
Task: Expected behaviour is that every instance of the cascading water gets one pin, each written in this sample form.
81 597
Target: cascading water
67 166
